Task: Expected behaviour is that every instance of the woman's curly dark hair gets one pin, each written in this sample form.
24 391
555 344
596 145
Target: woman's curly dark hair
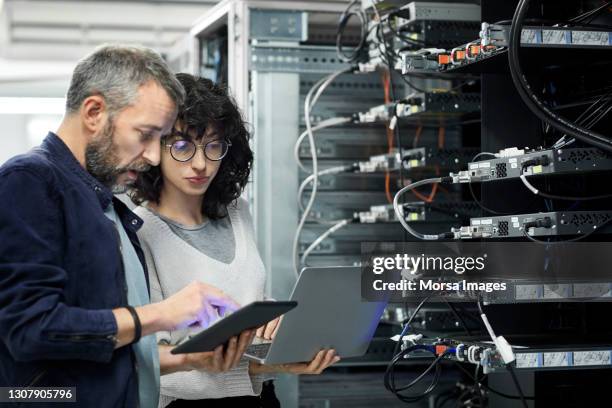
207 104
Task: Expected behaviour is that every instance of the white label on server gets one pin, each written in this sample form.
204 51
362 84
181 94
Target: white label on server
526 360
591 290
553 37
558 359
527 292
529 36
590 38
594 357
557 291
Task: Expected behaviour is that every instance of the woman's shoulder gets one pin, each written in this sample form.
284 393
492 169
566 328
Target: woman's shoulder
143 212
241 207
151 222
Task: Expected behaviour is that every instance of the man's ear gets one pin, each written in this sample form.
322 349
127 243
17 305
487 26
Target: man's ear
93 113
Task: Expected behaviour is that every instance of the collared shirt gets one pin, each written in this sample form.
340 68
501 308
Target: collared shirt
61 275
147 357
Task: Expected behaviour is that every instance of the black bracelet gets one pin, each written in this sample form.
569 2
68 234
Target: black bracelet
137 325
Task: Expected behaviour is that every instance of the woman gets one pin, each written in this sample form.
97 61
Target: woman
196 227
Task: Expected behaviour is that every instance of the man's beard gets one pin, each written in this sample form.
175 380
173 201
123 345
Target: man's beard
102 161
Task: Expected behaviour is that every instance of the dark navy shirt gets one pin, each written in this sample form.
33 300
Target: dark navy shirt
61 274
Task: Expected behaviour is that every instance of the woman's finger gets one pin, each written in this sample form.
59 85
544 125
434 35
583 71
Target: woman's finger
230 353
316 361
217 359
329 357
280 319
270 327
243 342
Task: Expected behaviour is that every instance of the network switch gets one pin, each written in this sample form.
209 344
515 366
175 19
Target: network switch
436 11
442 211
544 224
540 162
419 158
423 105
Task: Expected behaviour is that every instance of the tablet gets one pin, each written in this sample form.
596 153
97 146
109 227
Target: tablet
251 316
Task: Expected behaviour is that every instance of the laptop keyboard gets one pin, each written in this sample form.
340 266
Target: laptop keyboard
258 350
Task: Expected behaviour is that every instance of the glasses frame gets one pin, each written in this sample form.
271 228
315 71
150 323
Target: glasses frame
201 146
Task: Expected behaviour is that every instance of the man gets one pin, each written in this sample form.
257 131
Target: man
71 267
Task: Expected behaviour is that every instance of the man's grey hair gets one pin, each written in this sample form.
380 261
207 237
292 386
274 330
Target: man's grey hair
115 72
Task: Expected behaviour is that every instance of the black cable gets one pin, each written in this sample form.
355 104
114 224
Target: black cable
480 204
406 323
399 35
517 385
571 198
355 53
458 316
477 385
581 237
389 379
487 387
532 101
388 57
590 13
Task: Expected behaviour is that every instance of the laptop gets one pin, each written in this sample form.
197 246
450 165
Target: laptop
331 314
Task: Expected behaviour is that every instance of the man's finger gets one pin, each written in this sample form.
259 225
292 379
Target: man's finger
260 331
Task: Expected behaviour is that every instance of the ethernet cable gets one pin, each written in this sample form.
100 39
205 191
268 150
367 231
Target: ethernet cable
327 172
398 210
324 236
309 103
322 125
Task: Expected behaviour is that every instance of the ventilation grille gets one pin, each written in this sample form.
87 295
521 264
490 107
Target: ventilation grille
502 228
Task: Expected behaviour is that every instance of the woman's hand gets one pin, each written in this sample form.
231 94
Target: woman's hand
268 331
320 362
219 360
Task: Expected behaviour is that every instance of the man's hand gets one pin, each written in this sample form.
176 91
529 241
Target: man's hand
197 304
320 362
268 331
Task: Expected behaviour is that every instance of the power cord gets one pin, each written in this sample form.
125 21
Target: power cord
532 101
349 12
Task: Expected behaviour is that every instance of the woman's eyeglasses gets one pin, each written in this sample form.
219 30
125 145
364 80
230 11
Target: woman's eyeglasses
183 150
